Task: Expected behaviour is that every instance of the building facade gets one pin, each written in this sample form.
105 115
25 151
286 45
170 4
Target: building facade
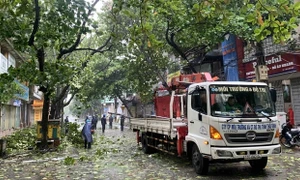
16 113
283 65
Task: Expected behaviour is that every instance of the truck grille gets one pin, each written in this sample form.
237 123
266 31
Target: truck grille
241 138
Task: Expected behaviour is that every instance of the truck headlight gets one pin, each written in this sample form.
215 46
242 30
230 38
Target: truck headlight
214 133
222 153
277 150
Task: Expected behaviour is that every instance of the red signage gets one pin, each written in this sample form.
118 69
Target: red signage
277 64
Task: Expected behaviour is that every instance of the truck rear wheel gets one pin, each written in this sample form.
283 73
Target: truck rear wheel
146 149
259 164
200 164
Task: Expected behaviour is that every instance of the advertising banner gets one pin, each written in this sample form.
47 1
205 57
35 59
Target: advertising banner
25 94
277 65
230 59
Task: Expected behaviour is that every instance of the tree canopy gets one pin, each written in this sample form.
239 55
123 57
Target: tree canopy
150 32
51 33
192 28
65 45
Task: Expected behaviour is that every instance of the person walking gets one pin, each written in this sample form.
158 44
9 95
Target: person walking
67 124
87 134
103 123
122 122
93 122
96 121
110 121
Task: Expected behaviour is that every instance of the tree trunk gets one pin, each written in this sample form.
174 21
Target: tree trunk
52 111
128 110
57 107
124 101
56 110
45 118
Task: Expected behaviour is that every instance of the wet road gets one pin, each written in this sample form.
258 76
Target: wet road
116 156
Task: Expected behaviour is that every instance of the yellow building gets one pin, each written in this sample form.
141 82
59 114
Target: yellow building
37 107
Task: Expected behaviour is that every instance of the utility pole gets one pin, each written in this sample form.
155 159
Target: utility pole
261 69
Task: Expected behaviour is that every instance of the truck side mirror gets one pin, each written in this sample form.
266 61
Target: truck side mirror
273 94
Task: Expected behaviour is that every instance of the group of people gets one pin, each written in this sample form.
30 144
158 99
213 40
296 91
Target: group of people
91 124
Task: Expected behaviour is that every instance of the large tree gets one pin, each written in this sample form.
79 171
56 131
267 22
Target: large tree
193 27
129 67
50 32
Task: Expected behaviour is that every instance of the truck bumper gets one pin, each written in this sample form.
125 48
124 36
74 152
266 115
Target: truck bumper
244 153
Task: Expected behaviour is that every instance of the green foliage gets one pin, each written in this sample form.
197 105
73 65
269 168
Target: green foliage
142 53
204 23
74 135
59 21
63 144
51 34
83 158
69 161
21 140
8 88
101 152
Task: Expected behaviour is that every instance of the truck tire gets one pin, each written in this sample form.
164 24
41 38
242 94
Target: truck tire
200 164
259 164
146 149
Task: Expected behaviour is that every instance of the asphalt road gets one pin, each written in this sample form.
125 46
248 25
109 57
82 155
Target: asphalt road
115 155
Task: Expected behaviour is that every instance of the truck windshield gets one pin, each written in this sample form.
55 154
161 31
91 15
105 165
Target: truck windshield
241 101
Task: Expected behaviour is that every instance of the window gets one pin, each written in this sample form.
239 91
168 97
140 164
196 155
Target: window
286 93
199 100
247 100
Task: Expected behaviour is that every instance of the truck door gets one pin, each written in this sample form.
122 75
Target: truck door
197 117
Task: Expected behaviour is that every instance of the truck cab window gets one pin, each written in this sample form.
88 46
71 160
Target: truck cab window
199 101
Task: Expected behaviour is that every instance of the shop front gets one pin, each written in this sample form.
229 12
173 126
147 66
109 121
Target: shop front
284 76
37 107
14 112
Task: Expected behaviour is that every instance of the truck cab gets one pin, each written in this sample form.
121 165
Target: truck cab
231 121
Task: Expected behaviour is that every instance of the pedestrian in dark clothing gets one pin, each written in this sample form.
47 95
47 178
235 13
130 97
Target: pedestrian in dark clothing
110 121
122 122
86 133
103 123
93 122
96 121
67 125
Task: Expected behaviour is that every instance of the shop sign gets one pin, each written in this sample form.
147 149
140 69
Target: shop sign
17 102
25 95
277 64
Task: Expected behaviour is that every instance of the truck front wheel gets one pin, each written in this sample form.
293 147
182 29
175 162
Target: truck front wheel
259 164
200 164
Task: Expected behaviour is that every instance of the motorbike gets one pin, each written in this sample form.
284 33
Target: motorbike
290 137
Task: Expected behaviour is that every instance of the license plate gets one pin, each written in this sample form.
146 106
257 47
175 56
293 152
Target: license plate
252 157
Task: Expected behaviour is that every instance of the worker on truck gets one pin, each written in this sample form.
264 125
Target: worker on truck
232 105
